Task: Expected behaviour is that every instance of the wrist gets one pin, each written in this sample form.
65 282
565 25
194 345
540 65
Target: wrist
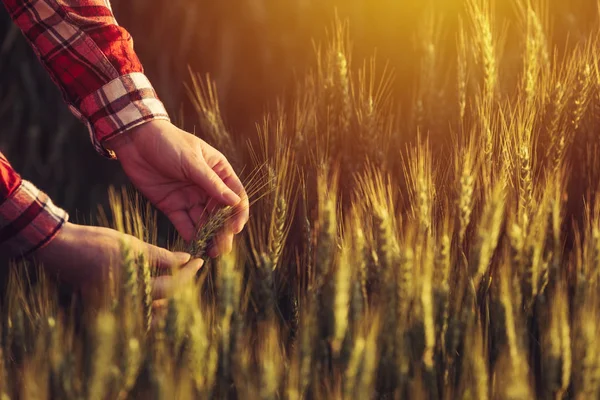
60 243
119 141
128 138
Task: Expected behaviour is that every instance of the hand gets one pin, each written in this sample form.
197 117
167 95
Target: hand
182 176
80 256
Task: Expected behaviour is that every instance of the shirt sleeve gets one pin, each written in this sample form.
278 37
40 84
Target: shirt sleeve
28 218
91 58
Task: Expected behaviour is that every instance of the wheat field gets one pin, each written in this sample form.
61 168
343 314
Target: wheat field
445 247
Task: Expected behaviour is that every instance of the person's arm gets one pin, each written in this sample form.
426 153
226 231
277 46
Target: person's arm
31 225
91 59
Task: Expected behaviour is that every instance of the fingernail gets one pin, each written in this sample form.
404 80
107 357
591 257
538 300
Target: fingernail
230 197
213 252
182 258
239 228
197 264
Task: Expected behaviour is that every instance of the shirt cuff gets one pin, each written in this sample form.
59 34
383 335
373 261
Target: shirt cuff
29 220
121 104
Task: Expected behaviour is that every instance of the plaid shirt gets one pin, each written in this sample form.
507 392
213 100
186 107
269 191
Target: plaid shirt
91 58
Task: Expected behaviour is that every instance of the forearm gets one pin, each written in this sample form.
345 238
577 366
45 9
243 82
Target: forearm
28 218
91 58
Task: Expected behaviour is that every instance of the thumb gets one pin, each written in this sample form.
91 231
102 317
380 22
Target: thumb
163 258
164 286
208 180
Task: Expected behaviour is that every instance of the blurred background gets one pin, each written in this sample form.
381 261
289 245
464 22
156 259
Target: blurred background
253 49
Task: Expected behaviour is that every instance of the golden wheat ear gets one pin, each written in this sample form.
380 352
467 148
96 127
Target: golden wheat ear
256 187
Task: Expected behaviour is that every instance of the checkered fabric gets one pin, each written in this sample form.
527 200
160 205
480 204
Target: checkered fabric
28 218
91 59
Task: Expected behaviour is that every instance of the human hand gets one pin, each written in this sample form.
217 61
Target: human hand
184 177
81 255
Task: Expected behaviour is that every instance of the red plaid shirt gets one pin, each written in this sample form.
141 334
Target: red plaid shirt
91 58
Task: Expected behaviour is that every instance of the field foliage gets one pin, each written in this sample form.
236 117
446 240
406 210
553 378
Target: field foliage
438 239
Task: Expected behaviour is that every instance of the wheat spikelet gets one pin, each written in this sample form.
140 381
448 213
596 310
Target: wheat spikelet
536 263
326 230
129 301
359 253
197 350
476 377
565 347
515 384
461 71
280 181
104 340
203 94
35 375
488 232
586 376
339 85
405 290
595 258
481 19
428 307
229 287
271 362
466 186
405 281
34 381
308 336
264 288
555 224
341 302
206 232
428 91
133 363
581 97
387 250
4 383
372 105
366 376
536 51
292 391
278 229
387 246
63 380
554 118
176 320
555 342
16 324
343 84
441 292
355 366
482 23
419 173
145 282
509 320
212 365
550 345
307 233
525 185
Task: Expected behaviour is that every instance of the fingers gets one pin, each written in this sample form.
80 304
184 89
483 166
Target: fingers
163 286
222 243
242 209
204 176
184 224
163 258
